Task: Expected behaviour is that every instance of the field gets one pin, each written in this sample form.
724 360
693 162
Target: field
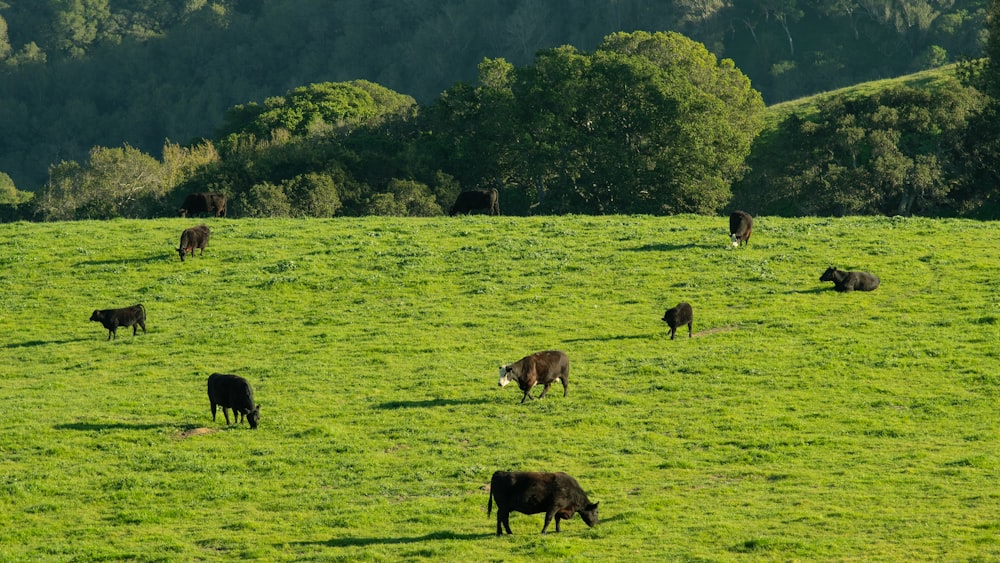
797 424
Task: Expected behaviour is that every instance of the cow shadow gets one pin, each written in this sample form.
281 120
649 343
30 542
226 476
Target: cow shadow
393 405
612 338
813 290
33 343
365 542
129 261
102 426
666 247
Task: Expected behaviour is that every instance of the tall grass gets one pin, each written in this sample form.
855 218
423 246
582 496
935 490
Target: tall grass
798 423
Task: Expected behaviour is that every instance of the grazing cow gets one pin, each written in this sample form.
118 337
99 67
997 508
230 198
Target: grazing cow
192 239
679 316
476 199
233 392
558 495
850 281
538 368
202 202
740 226
134 316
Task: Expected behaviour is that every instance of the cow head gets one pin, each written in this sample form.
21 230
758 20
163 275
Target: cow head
828 275
182 252
589 514
97 316
506 375
253 416
735 238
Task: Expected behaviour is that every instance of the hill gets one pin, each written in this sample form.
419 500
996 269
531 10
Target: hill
797 423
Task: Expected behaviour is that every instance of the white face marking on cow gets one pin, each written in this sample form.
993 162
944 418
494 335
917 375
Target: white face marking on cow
736 240
504 375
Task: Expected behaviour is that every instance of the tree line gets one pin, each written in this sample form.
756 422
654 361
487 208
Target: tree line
75 74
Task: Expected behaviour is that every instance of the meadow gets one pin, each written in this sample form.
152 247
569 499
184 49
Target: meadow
797 424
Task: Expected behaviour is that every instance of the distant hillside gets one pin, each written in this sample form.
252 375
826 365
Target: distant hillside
78 74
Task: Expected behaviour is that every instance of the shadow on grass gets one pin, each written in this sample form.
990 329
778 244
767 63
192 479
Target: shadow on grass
363 542
610 338
33 343
432 403
813 290
101 426
159 256
665 247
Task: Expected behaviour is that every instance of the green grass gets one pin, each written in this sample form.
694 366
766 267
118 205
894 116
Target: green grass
798 424
932 79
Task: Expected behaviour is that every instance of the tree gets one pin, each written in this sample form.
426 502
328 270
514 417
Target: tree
648 123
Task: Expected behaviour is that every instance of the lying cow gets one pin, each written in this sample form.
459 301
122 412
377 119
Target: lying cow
850 281
134 316
558 495
540 368
740 226
233 392
679 316
213 204
193 239
476 199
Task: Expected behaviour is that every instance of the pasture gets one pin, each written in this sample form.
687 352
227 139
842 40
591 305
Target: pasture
797 424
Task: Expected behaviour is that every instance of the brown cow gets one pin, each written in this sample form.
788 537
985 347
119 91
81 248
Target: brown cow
558 495
193 239
540 368
740 226
134 316
476 199
202 202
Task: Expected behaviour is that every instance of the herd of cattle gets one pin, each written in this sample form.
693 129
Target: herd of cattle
558 495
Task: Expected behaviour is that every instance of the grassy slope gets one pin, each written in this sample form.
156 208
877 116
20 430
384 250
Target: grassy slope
799 423
933 79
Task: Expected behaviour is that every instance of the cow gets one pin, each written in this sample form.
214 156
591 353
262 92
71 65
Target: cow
850 281
192 239
558 495
233 392
740 226
679 316
134 316
202 202
476 199
540 368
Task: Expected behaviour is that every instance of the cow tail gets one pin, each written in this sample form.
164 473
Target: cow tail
489 505
143 309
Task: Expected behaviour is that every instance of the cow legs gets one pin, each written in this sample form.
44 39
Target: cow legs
544 391
672 331
527 396
565 383
225 413
213 411
503 519
690 328
548 519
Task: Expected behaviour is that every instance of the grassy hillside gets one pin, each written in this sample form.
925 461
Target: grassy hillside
934 79
798 423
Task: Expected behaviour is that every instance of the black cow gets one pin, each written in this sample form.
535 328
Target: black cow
202 202
558 495
477 199
134 316
233 392
538 368
740 226
679 316
193 239
850 281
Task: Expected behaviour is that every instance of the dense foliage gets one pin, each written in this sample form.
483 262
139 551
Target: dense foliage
76 74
